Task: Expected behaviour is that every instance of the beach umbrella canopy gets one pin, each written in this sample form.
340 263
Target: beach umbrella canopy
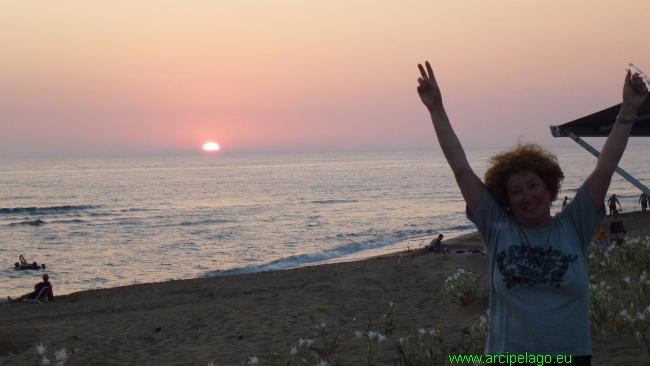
600 123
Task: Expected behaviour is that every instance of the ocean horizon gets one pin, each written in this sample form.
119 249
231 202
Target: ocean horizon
112 221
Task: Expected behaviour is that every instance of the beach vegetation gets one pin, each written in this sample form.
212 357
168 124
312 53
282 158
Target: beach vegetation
464 287
482 325
600 311
58 358
628 312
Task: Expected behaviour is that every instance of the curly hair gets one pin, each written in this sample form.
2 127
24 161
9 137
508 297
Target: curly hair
530 157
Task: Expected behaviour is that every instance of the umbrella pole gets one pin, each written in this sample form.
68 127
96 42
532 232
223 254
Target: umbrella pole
595 153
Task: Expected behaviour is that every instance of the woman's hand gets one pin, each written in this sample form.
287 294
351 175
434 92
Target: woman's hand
634 93
428 89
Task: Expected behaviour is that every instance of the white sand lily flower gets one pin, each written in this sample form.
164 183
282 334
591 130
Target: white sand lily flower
432 331
623 313
62 355
358 334
211 363
401 340
40 349
627 279
323 363
293 351
381 337
421 330
483 320
45 361
309 342
390 304
371 334
300 342
253 360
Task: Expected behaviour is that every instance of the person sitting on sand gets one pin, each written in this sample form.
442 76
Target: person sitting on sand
601 240
436 245
539 286
616 228
37 290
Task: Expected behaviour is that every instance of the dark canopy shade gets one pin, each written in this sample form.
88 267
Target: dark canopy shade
600 123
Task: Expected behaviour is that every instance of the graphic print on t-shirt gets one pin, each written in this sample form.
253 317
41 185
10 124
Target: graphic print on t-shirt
526 265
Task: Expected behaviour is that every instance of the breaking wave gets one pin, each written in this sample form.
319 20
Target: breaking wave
326 255
43 210
37 222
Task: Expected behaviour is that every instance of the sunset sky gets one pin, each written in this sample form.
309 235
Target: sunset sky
104 77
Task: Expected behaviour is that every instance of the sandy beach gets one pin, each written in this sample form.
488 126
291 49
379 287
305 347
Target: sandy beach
228 319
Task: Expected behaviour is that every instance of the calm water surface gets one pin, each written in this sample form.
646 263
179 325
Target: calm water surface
106 222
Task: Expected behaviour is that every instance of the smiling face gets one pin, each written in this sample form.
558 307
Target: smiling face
529 199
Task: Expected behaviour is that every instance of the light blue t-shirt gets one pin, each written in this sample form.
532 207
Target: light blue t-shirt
539 287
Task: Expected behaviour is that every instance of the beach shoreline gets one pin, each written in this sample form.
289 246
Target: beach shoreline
227 319
397 248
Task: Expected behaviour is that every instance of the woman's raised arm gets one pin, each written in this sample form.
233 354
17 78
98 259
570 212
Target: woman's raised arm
634 93
470 185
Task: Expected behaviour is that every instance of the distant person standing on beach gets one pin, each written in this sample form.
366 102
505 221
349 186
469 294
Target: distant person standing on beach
643 200
564 202
612 201
539 285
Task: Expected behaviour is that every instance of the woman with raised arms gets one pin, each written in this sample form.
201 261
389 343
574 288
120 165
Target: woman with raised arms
539 287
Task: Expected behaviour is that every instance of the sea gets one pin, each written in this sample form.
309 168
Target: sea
99 222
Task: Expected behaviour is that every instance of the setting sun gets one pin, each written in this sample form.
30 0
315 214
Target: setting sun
211 146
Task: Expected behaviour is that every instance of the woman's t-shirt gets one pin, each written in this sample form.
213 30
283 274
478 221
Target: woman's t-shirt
539 287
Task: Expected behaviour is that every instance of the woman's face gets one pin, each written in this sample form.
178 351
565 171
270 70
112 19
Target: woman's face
529 199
